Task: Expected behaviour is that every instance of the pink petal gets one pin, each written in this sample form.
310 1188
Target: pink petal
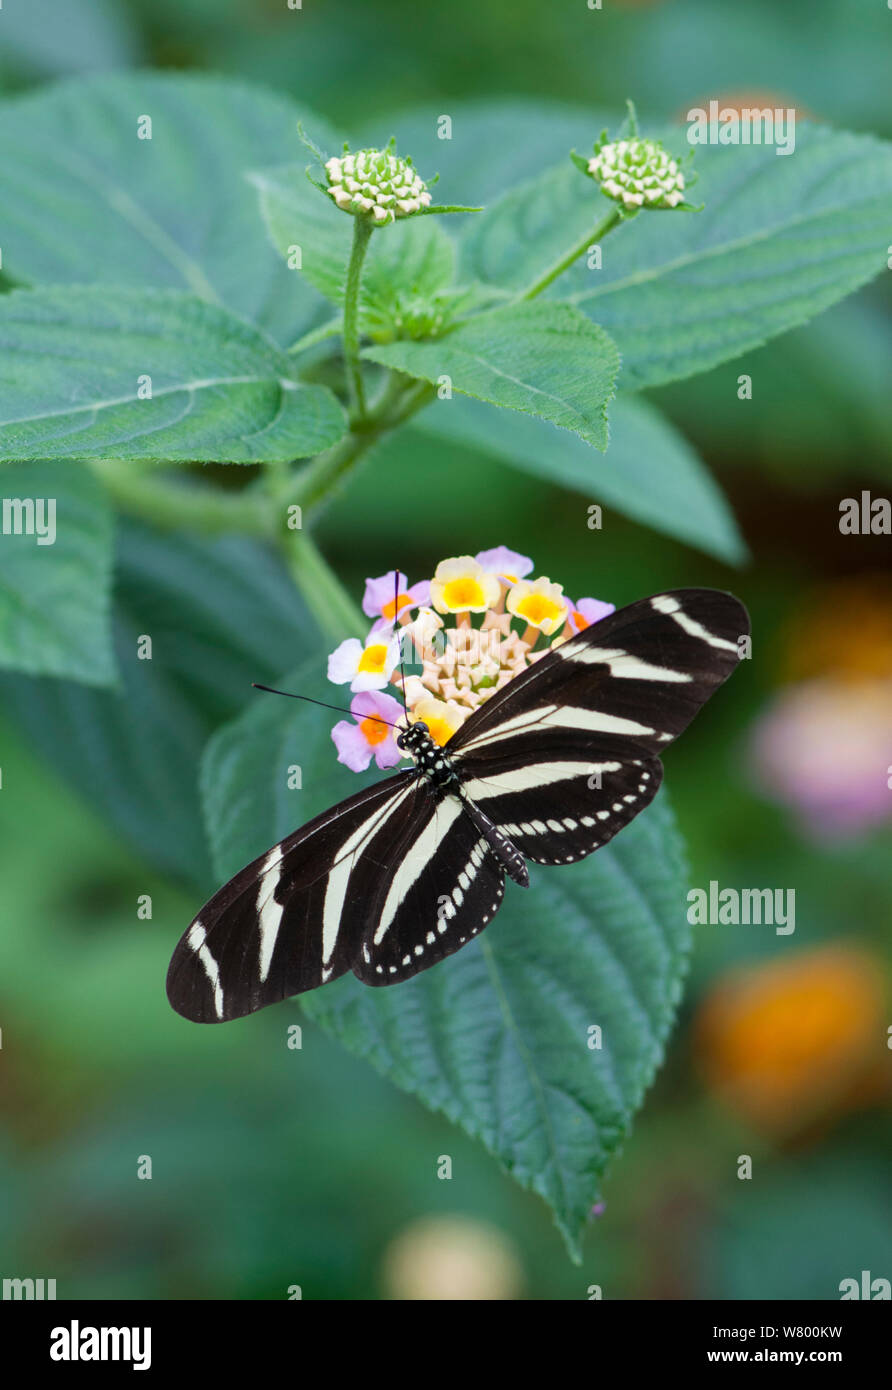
504 562
376 702
354 749
420 594
593 610
380 591
387 754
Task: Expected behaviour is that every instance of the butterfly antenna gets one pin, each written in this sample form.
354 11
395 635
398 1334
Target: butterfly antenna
339 709
396 610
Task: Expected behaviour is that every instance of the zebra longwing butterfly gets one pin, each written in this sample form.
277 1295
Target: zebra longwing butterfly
404 873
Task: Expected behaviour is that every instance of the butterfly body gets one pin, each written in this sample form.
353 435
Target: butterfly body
430 760
404 873
434 765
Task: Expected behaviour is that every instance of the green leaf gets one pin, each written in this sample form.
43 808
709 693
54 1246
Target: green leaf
823 399
649 473
74 362
297 215
542 359
781 238
496 1037
413 257
55 589
531 227
85 201
220 614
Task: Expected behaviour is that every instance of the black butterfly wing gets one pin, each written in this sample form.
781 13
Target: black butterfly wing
394 879
445 887
296 916
567 754
558 810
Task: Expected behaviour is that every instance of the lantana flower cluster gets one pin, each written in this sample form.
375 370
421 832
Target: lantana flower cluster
465 633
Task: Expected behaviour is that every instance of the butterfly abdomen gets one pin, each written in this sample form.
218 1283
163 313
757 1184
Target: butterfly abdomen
507 853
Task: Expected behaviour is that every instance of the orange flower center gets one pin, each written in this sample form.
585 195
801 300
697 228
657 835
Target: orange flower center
374 730
402 601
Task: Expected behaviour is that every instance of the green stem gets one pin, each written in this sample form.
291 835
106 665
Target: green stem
318 480
169 501
322 591
362 231
173 504
414 400
610 221
315 484
317 335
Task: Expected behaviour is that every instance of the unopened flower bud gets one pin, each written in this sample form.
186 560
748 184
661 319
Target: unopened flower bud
377 184
637 173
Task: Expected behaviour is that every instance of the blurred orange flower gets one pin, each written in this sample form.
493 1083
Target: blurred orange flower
843 629
789 1041
748 99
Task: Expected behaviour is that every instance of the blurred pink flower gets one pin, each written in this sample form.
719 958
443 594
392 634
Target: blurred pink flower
824 748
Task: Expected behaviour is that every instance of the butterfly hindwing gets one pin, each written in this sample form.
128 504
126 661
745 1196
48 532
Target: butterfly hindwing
561 809
295 917
447 886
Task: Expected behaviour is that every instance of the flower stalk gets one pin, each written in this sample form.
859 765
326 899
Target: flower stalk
362 232
322 591
165 500
593 238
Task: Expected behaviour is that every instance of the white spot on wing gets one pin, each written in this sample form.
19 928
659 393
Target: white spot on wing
269 912
532 776
339 876
622 664
418 856
196 939
673 609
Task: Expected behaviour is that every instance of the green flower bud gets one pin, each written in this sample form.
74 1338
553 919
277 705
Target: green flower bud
637 173
377 184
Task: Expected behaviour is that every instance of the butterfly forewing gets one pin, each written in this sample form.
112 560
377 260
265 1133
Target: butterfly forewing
294 918
565 756
624 687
